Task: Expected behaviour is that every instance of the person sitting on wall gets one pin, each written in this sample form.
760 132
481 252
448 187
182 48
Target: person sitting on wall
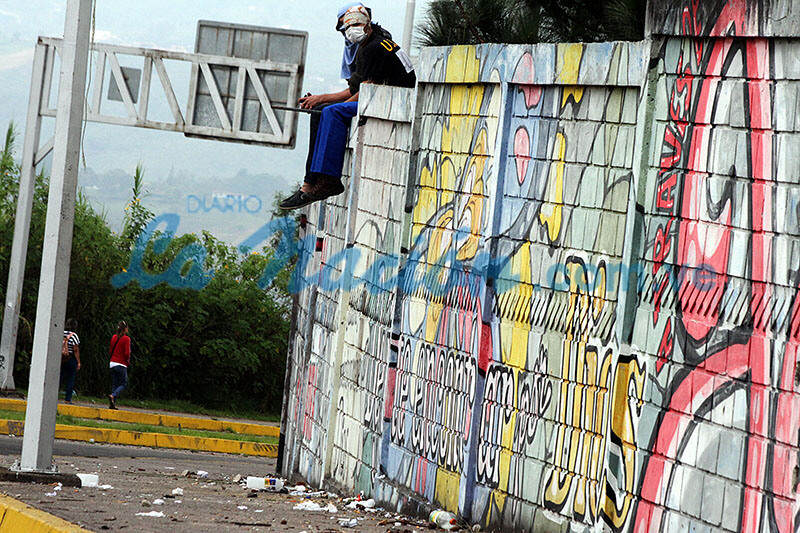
370 56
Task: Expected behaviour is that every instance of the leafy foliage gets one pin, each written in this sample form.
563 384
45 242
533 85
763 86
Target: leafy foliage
223 346
136 215
530 21
478 21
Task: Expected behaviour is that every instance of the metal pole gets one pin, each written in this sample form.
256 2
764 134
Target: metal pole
22 223
40 416
408 30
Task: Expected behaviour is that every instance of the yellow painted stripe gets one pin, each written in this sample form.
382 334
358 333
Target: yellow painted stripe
16 517
154 440
152 419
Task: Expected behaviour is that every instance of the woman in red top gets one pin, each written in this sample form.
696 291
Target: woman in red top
120 350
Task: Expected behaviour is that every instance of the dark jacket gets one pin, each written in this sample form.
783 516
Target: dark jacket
381 61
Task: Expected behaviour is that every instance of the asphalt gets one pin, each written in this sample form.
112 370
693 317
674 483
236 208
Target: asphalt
11 447
141 494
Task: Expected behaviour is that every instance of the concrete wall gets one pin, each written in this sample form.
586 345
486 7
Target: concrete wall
632 366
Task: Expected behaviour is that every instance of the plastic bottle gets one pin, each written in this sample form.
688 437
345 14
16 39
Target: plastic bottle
443 519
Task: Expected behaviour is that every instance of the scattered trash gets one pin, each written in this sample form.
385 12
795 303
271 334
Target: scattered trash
168 468
476 527
105 487
365 505
154 514
259 511
298 488
443 519
253 495
145 503
185 473
177 492
273 484
57 487
237 478
51 494
158 501
309 505
348 522
202 474
91 440
88 480
257 483
178 501
317 494
242 507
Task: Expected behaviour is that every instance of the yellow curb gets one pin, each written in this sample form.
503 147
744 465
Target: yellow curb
16 517
152 419
154 440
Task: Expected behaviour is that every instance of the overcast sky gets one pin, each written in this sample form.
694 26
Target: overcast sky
172 24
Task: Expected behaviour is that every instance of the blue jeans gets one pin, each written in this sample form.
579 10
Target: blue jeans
119 380
69 369
328 141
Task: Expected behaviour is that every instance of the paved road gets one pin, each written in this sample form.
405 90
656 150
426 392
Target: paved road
12 446
139 476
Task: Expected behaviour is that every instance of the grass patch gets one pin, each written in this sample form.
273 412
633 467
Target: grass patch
145 428
177 406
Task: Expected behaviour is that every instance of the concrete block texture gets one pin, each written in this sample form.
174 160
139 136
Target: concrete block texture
501 371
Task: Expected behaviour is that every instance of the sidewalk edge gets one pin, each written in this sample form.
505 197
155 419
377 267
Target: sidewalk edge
16 516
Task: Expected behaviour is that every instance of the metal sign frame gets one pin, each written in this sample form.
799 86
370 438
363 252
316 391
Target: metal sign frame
153 59
245 75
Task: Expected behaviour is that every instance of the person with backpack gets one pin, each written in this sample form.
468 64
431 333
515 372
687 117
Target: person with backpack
120 351
70 358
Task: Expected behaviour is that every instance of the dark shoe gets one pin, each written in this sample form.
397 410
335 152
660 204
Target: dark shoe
328 188
111 403
297 200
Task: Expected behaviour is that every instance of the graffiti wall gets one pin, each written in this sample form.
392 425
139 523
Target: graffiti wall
572 300
310 403
373 236
718 319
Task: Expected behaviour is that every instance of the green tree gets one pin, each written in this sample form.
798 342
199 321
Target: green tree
450 22
590 21
136 215
478 21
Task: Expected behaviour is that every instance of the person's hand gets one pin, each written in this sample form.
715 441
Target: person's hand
79 366
312 100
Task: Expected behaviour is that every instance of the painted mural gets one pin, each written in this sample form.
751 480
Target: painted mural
369 307
726 416
596 318
437 380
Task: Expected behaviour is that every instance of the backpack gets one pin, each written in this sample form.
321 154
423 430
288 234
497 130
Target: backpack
65 348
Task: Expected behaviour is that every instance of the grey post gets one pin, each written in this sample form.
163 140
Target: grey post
408 29
40 416
22 223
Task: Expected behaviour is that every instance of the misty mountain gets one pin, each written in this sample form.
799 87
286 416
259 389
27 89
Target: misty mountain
231 207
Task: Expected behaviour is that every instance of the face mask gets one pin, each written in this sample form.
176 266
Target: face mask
355 34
